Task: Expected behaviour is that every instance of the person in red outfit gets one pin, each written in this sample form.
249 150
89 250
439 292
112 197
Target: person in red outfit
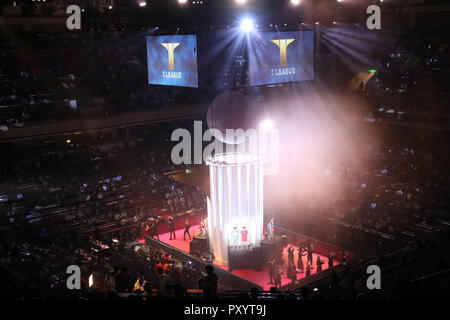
244 234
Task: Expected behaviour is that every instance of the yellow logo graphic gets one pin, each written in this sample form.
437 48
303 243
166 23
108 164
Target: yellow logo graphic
170 48
283 44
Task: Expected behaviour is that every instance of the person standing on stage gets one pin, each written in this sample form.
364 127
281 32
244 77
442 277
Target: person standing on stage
187 225
157 223
235 237
278 278
152 228
291 274
203 226
155 230
300 265
290 252
319 263
308 269
310 254
244 234
343 257
272 270
270 228
171 224
330 259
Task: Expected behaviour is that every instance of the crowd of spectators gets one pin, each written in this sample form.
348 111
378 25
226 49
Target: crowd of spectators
378 199
55 77
95 184
82 199
94 181
413 62
406 188
38 261
417 271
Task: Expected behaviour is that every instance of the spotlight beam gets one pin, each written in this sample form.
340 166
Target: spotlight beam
247 25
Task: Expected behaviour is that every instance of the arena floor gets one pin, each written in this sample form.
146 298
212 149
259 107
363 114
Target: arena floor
260 278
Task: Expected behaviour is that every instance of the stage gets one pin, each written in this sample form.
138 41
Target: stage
258 277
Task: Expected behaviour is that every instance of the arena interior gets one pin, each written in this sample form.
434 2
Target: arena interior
351 201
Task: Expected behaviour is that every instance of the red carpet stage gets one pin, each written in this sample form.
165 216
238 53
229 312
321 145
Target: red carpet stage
259 277
178 242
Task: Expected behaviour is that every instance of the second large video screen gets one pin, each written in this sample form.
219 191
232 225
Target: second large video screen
277 57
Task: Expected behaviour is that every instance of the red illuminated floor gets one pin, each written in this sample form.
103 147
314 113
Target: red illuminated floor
179 243
259 277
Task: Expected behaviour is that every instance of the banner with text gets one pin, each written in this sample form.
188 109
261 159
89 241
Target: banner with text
276 57
172 60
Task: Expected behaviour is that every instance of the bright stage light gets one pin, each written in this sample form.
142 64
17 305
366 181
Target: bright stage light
247 25
266 124
142 4
91 280
240 1
182 1
295 2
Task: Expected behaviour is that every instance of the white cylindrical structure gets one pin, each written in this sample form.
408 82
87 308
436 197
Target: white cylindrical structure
236 201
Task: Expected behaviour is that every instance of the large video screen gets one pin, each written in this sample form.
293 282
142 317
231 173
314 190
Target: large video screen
172 60
276 57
